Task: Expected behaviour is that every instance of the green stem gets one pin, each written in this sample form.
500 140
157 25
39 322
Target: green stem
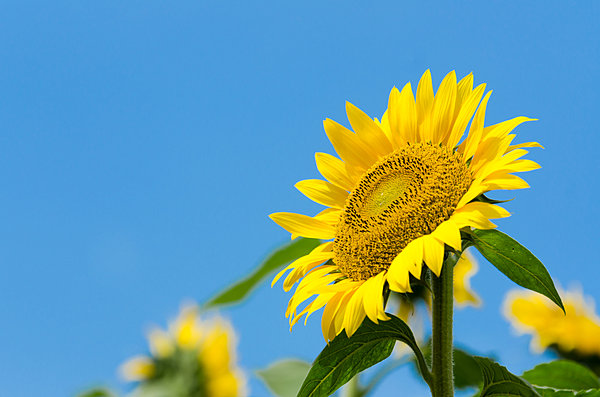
441 357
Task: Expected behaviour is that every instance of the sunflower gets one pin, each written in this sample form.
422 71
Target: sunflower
398 196
578 331
197 356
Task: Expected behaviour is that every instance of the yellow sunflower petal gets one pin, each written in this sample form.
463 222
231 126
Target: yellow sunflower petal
348 145
424 105
320 301
525 144
499 163
464 115
402 116
329 315
334 170
475 190
303 225
338 320
506 182
472 219
323 192
408 261
490 211
448 233
463 91
302 266
433 254
373 298
355 312
504 128
368 131
515 166
476 131
443 108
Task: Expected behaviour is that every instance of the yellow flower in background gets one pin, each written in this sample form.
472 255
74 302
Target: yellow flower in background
199 352
578 330
138 368
465 268
400 192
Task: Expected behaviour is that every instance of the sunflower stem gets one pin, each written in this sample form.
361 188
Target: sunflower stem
443 301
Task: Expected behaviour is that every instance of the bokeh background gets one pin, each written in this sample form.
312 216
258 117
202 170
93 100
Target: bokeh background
144 143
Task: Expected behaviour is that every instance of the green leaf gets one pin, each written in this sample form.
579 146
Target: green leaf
516 262
466 370
284 378
562 374
550 392
498 381
281 257
345 357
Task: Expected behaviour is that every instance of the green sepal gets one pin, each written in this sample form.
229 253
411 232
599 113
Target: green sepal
562 375
516 262
283 378
345 357
276 261
498 381
484 199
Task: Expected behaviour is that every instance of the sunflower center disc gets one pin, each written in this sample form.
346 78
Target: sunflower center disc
400 198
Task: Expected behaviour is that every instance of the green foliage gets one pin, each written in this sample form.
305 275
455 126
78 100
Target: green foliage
97 392
282 256
345 357
516 262
466 370
563 378
498 381
284 378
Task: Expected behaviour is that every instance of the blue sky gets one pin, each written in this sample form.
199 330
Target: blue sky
144 143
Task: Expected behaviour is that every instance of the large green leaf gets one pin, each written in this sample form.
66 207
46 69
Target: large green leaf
282 256
345 357
284 378
498 381
466 370
562 375
516 262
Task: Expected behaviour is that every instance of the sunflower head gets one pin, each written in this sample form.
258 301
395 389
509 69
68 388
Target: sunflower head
398 196
199 355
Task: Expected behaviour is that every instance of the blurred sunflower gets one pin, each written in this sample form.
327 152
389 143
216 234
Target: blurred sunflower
576 333
191 359
400 192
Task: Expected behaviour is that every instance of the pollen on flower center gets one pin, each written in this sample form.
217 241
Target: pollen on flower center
402 197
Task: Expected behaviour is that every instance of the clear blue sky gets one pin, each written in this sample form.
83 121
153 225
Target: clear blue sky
144 143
